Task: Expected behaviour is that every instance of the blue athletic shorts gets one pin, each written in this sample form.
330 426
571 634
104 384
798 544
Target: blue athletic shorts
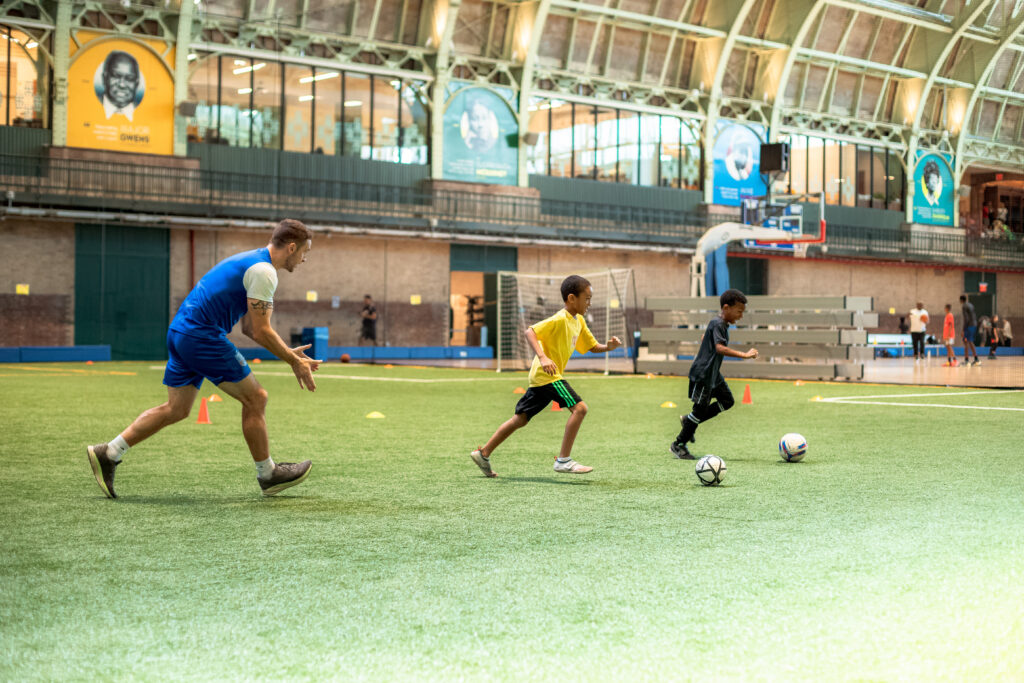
190 359
969 333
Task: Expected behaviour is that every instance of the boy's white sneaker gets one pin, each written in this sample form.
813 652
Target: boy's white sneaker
572 467
483 463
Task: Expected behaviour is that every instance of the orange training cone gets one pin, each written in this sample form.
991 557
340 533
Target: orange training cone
555 407
256 360
204 413
746 396
519 390
88 362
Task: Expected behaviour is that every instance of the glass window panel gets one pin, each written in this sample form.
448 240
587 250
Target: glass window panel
202 89
415 129
650 134
23 70
583 144
690 139
847 174
671 152
266 95
607 150
298 103
832 180
561 138
235 100
878 196
327 131
798 157
385 118
815 161
629 147
357 115
896 183
864 165
537 153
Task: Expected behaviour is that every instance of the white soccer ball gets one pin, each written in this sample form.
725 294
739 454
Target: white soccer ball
792 447
710 470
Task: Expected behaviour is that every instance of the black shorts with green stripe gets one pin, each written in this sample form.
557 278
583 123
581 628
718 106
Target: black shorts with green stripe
537 399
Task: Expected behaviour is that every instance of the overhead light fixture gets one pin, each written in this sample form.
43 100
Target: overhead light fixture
247 69
32 45
193 57
319 77
240 62
244 91
305 98
353 103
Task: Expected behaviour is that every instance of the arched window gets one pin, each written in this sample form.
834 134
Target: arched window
24 77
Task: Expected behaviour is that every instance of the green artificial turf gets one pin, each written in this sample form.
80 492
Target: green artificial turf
892 552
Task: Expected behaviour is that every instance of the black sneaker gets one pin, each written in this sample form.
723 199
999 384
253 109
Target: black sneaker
102 468
285 475
680 451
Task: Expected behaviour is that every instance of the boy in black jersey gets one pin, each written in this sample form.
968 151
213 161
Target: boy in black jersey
706 382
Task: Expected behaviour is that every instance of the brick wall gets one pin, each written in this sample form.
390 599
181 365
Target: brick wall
35 320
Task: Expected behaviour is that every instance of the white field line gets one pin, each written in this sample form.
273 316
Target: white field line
415 380
860 400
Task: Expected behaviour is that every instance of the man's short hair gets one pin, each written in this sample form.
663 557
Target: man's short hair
574 284
290 230
963 298
367 296
731 297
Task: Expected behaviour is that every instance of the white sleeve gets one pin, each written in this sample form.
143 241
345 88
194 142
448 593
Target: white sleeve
260 281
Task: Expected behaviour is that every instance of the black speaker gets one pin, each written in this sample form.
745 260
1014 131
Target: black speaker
775 157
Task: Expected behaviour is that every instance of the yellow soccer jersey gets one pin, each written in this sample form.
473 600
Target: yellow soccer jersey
558 336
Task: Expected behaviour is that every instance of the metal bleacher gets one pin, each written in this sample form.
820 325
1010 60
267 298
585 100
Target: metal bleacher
814 338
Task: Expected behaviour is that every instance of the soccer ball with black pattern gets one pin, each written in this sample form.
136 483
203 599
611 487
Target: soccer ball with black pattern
710 470
793 447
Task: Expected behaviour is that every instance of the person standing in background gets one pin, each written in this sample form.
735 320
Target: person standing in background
970 329
369 316
948 336
918 323
1007 333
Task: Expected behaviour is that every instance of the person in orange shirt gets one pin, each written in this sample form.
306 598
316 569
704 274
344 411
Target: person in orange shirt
948 335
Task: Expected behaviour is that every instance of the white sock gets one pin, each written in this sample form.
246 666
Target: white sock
117 448
563 459
264 468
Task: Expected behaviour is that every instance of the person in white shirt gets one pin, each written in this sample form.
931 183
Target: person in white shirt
1007 333
918 322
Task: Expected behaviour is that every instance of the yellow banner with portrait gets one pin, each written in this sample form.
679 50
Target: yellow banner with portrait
120 98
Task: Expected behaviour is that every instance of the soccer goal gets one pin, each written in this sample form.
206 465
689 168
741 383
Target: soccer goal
525 299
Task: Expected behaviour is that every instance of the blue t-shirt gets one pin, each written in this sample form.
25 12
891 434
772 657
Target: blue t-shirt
220 299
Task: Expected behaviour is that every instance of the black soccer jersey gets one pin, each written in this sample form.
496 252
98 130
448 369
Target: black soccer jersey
706 367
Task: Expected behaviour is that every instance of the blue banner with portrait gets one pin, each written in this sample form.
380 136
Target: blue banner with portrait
481 138
737 164
933 191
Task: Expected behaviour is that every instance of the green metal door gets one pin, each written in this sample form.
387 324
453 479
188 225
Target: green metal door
122 289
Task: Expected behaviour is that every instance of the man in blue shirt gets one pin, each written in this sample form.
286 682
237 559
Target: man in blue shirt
239 288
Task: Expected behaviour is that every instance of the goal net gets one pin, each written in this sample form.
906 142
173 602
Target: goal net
525 299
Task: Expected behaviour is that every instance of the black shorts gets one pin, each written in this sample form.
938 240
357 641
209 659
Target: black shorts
537 399
701 394
369 333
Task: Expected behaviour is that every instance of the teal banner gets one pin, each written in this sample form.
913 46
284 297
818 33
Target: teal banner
933 191
478 129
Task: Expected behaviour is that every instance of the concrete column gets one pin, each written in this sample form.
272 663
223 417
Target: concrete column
61 61
182 47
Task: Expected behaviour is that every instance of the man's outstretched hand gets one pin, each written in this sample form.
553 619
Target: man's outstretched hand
303 366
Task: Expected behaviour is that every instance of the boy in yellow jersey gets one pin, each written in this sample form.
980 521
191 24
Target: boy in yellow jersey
553 341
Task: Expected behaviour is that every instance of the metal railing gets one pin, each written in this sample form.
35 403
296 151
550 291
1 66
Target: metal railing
78 184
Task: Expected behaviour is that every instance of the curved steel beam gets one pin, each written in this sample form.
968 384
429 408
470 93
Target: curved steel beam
1012 31
440 88
816 7
540 18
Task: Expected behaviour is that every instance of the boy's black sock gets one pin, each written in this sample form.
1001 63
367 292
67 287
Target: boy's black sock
689 427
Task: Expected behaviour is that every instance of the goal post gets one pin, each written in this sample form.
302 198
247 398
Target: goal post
525 299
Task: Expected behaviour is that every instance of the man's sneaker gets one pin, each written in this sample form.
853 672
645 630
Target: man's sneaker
680 451
285 475
483 463
102 468
572 467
